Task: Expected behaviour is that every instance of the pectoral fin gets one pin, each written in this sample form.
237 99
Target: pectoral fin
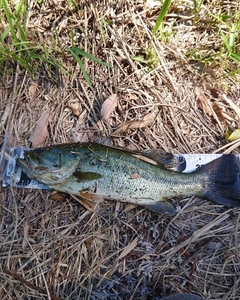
91 196
86 176
162 207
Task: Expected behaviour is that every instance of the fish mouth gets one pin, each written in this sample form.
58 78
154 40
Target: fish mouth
38 173
24 164
31 161
45 174
26 168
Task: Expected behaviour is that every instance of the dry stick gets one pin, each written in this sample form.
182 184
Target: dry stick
139 282
10 111
93 121
154 42
43 277
192 257
178 131
15 97
56 265
201 233
27 283
83 102
236 238
124 49
9 108
231 146
6 116
231 104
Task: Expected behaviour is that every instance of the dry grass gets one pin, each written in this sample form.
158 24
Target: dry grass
58 250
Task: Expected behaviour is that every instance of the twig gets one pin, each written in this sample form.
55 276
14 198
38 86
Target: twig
199 234
29 284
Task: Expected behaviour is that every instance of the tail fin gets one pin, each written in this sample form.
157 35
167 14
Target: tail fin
223 184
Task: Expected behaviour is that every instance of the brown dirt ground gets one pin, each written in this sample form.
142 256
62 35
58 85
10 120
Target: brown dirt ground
71 253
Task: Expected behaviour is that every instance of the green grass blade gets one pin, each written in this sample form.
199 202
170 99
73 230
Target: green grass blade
225 40
80 65
195 5
89 56
9 19
21 32
235 56
5 33
161 16
139 58
14 26
41 58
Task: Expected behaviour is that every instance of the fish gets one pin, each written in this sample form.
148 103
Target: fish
95 171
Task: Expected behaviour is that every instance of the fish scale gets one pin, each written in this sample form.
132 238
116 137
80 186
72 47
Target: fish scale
121 173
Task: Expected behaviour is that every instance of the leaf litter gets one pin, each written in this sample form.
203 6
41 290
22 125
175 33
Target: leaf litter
108 106
66 256
146 121
235 135
74 106
40 132
129 248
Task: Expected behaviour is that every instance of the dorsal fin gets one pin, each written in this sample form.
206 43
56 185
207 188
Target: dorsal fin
160 157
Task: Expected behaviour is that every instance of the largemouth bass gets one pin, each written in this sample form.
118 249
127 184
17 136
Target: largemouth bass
95 171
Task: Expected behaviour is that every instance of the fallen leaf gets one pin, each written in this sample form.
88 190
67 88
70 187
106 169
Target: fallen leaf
214 93
33 90
209 107
117 208
218 111
235 135
57 196
204 102
88 204
130 207
108 106
146 121
40 131
130 96
74 105
129 248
